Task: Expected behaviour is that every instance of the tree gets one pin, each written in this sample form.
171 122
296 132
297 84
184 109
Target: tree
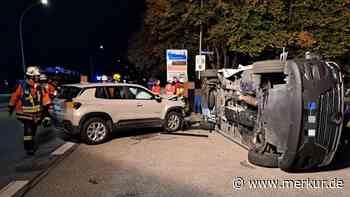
242 31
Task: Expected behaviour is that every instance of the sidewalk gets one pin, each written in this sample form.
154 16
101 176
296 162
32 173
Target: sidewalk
15 166
28 171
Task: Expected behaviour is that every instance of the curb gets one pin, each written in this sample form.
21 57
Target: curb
11 189
231 139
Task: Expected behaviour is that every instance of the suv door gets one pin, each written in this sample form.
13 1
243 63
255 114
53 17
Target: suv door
147 106
112 100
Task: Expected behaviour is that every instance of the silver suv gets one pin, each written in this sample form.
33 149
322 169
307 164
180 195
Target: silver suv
93 110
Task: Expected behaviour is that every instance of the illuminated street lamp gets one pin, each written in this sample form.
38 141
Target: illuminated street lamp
42 2
45 2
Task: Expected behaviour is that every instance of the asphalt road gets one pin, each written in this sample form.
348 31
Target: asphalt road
11 148
178 165
13 160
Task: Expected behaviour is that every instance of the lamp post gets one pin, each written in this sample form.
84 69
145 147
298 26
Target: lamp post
94 59
42 2
200 39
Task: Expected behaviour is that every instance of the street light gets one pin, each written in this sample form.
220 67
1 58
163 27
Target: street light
93 58
42 2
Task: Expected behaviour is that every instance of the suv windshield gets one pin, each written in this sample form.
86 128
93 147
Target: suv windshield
68 92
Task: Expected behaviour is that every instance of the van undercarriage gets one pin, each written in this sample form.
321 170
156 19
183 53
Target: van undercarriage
288 114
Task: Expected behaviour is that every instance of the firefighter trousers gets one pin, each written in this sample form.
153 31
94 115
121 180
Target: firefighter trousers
30 128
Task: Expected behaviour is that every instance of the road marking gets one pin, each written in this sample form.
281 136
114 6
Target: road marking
12 188
62 149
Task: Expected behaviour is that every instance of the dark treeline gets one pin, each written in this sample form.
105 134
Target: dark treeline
242 31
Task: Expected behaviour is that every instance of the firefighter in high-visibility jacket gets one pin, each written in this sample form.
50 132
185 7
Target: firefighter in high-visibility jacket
170 88
47 97
27 100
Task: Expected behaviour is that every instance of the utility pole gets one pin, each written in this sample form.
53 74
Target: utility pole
200 33
25 11
200 39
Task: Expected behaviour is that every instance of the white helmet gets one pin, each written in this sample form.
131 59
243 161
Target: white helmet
104 78
43 77
33 71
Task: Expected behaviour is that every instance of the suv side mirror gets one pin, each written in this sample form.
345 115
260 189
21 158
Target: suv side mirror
158 98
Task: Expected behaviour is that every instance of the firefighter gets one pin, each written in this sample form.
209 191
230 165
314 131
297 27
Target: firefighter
170 88
48 92
179 89
156 88
104 79
117 77
27 100
177 83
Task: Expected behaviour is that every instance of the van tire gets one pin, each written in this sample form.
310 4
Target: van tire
263 159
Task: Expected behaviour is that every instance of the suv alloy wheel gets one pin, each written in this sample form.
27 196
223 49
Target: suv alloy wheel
173 121
95 131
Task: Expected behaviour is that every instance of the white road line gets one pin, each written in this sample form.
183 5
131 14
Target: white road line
12 188
62 149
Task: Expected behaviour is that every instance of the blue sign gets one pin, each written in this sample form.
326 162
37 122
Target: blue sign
178 55
311 105
172 56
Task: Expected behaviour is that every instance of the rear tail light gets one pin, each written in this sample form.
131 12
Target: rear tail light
76 105
73 105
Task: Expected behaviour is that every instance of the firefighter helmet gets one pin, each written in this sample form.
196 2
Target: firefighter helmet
116 77
33 71
104 78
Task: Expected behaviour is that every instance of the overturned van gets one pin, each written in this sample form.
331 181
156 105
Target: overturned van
288 114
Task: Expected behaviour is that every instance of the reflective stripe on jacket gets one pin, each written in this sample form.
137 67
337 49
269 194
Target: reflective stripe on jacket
27 100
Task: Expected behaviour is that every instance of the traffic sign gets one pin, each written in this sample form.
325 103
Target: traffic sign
200 62
207 52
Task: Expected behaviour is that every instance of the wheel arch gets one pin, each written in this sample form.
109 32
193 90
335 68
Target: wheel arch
175 109
178 110
103 115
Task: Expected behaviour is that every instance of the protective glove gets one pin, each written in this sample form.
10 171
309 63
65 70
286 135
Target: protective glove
46 122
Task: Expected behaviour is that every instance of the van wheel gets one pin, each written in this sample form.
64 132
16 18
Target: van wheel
95 131
173 121
262 153
263 159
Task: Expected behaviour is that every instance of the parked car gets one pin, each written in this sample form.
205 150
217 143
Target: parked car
288 114
93 110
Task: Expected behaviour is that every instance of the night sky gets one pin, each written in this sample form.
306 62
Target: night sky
67 32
